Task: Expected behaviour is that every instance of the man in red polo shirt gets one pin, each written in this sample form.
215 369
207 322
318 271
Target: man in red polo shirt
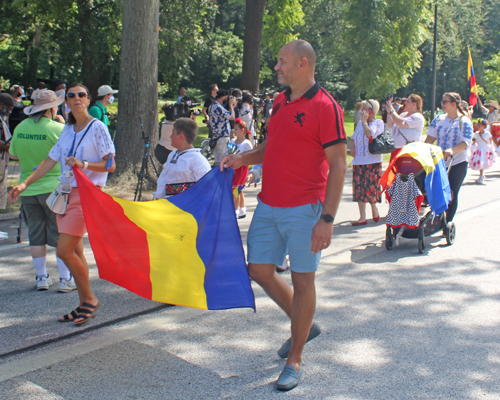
304 160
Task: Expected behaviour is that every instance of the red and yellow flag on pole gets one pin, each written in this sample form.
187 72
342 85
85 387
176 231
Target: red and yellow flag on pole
472 81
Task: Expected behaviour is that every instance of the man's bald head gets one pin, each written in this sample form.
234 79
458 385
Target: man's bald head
300 48
296 64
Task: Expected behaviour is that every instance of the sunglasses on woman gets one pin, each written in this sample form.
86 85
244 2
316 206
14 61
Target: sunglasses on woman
72 95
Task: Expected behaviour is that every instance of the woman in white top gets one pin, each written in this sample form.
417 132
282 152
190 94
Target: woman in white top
408 126
453 131
84 142
246 114
366 167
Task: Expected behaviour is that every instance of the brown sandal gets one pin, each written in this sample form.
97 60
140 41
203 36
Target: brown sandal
86 312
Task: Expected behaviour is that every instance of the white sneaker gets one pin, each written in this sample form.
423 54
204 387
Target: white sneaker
4 235
65 286
480 180
43 283
242 212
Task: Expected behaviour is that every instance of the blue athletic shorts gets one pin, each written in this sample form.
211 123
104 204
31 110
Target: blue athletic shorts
278 231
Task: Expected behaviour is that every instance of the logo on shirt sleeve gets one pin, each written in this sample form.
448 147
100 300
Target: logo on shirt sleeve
300 119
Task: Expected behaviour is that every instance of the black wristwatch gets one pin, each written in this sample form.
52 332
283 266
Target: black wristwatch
327 218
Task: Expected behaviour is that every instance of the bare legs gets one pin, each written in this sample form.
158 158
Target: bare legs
70 250
362 211
298 303
239 202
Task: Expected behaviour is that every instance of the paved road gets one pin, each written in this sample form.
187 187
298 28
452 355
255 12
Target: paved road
396 325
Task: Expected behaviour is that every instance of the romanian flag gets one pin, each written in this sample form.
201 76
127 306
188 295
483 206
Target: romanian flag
430 158
186 250
472 81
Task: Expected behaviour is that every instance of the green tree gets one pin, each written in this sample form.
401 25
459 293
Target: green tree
492 77
460 23
280 19
43 41
384 37
185 32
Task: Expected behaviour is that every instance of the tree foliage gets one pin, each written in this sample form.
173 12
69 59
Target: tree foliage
492 78
384 36
60 39
364 47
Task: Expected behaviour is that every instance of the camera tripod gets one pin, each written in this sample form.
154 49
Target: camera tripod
147 157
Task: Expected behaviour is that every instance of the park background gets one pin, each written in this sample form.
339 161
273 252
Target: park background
150 48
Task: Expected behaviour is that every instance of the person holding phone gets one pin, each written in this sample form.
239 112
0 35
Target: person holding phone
408 126
366 167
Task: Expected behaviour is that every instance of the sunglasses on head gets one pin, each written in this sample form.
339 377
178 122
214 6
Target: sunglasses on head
72 95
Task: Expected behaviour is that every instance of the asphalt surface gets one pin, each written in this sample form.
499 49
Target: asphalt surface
396 324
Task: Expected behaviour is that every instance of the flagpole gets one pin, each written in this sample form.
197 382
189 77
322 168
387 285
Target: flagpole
434 55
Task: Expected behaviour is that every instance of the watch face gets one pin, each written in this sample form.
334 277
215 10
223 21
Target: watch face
327 218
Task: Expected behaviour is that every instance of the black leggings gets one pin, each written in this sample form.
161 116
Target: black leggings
456 176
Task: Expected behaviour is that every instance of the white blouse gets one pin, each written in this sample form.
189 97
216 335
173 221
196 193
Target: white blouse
412 130
94 147
361 142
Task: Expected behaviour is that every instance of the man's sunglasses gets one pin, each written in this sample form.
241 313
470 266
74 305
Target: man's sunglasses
72 95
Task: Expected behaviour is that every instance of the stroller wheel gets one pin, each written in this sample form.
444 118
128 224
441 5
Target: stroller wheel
450 232
389 239
421 243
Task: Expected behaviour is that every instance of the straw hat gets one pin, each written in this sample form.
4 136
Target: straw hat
44 100
491 103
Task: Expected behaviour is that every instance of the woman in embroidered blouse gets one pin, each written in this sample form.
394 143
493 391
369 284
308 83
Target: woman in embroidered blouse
366 167
453 131
84 142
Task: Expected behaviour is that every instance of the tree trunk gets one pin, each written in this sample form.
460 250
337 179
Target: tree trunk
138 97
33 54
90 73
254 18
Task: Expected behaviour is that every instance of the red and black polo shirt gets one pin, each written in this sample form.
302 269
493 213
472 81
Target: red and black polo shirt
295 165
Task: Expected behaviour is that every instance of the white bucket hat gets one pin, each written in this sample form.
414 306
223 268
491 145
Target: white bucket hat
105 89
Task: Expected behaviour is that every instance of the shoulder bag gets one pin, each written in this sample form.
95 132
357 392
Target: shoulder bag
382 144
58 199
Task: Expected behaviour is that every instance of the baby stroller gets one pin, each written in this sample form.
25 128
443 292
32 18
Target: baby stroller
417 178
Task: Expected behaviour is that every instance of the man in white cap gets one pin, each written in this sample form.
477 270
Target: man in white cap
104 99
490 109
31 142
